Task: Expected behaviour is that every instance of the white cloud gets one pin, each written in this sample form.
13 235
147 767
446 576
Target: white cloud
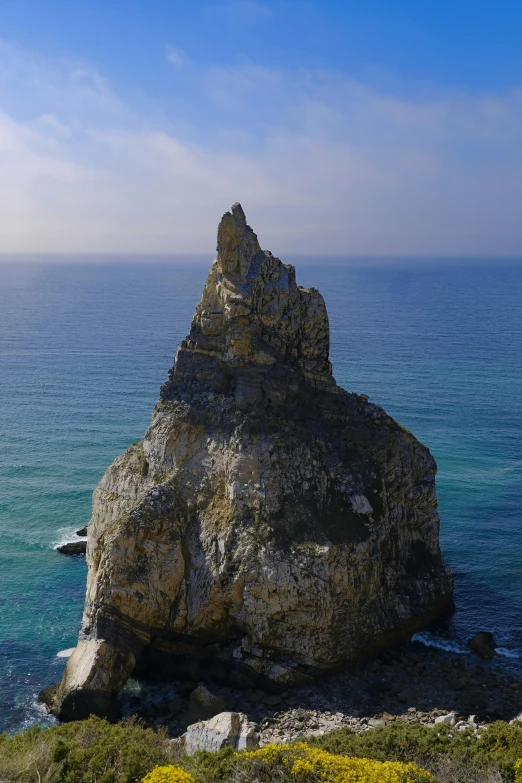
52 123
62 86
321 164
174 55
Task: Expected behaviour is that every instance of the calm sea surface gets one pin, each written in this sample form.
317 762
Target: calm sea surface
84 349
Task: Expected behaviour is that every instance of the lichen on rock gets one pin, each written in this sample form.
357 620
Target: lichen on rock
271 526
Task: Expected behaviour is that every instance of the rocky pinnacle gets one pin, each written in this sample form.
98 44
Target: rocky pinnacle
270 526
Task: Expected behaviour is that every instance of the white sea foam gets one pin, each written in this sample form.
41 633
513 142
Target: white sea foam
508 653
67 534
65 653
36 714
430 640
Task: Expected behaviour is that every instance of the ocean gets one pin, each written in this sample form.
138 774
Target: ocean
84 348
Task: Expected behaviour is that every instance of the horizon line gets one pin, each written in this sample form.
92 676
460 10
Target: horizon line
65 256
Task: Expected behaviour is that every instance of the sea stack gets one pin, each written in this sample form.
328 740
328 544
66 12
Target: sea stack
270 526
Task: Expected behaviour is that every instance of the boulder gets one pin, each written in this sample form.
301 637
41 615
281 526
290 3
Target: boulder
271 526
449 718
47 695
483 644
226 730
204 705
377 723
82 531
73 548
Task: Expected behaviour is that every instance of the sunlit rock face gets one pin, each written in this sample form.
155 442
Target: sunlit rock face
270 526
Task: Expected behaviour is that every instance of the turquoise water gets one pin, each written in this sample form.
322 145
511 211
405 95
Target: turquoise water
84 349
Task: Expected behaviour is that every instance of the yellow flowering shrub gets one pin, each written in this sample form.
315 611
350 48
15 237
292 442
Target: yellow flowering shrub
168 774
518 771
303 761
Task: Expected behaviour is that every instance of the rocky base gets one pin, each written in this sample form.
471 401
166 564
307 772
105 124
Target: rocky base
414 684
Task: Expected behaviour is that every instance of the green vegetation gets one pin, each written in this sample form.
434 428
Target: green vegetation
95 751
301 762
495 749
91 751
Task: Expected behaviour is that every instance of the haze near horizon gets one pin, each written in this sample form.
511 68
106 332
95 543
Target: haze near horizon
384 127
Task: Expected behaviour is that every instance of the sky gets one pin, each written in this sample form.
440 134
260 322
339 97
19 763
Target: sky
358 127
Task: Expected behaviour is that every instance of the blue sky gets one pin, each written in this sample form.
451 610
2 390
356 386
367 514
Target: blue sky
356 127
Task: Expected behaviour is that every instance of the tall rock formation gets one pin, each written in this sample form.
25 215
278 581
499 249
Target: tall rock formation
270 526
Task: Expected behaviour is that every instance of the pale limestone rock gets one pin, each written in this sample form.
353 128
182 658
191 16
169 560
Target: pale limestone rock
270 526
449 718
226 730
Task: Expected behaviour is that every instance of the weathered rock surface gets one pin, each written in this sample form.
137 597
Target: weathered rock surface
73 548
226 730
270 526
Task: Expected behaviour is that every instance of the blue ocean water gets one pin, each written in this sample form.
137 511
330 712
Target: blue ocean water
84 349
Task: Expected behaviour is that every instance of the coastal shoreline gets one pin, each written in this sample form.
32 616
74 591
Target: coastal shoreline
412 683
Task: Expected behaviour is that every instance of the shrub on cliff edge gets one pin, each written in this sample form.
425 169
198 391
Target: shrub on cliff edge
95 751
168 774
91 751
497 748
295 763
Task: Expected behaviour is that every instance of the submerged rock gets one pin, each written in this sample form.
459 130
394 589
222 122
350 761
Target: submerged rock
270 526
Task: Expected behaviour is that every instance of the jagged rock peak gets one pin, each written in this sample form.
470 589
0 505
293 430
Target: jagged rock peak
270 526
237 244
256 334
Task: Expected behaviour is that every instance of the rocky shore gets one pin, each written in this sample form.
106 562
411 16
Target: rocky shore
413 683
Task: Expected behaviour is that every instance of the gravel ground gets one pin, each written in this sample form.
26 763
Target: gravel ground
413 683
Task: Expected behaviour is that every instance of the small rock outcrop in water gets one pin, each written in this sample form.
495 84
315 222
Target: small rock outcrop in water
73 548
483 644
270 526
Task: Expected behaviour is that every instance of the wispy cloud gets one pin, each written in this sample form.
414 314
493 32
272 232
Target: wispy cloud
175 56
322 164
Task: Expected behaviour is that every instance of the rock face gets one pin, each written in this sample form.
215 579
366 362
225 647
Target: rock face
270 526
